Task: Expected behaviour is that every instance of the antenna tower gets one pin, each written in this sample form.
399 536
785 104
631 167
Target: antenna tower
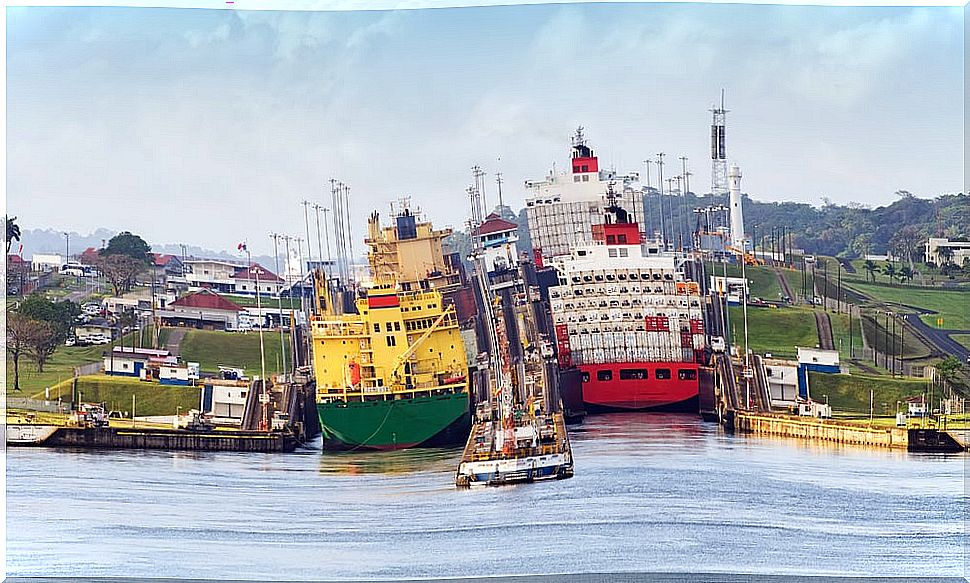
719 170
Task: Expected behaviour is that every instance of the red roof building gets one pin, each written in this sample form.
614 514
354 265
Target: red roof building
495 224
205 300
265 275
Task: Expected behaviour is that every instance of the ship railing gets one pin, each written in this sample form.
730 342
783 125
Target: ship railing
328 394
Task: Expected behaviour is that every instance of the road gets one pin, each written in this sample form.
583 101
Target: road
940 338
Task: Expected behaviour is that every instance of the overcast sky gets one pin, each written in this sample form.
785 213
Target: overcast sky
209 126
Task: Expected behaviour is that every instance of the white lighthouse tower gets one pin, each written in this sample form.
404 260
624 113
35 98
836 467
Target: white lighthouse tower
737 219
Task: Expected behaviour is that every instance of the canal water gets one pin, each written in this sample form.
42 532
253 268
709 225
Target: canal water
651 493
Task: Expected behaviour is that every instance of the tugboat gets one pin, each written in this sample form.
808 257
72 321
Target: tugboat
519 433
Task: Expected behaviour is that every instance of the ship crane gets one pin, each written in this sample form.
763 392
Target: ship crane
404 356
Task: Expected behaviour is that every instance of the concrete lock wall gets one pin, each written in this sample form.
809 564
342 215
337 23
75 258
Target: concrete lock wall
824 430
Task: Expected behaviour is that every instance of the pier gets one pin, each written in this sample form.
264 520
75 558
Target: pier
738 399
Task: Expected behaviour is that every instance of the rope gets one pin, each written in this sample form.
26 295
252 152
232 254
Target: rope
379 427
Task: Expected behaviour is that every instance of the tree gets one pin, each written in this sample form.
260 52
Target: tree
60 315
21 333
947 370
946 256
908 243
906 273
43 344
890 270
13 232
871 269
120 271
127 244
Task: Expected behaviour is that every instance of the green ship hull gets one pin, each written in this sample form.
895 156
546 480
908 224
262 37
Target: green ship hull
395 424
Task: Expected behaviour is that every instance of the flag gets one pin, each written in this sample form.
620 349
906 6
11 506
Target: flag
241 247
21 253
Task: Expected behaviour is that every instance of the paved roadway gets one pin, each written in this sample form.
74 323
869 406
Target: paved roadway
939 337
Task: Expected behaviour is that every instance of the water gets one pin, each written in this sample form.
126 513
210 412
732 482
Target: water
651 493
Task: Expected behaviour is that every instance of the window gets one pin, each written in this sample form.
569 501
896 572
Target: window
377 327
624 253
662 374
621 238
387 326
391 341
604 375
397 326
586 178
585 377
575 178
612 252
687 375
633 374
611 239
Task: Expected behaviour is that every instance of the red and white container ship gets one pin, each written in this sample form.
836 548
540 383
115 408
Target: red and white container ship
624 313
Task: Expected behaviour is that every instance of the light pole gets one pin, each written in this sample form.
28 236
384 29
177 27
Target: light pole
264 395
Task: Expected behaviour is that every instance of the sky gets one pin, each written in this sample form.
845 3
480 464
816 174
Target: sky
209 127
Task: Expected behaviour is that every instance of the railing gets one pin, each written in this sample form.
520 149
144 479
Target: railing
36 405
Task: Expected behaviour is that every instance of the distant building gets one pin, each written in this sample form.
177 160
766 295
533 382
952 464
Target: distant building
204 309
122 361
497 237
246 281
231 277
95 327
46 262
960 250
167 264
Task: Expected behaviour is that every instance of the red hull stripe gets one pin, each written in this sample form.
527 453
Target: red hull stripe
638 393
383 301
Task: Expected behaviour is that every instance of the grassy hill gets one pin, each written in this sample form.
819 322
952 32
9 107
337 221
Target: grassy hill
212 349
851 392
117 393
950 304
775 330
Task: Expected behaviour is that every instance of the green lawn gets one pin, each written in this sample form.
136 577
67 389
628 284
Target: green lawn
775 330
963 339
116 393
952 305
840 335
764 282
250 301
851 392
59 367
211 349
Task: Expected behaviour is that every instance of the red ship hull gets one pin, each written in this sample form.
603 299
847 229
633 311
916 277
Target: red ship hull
639 385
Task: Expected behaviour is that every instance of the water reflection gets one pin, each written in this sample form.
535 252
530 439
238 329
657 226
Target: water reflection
402 461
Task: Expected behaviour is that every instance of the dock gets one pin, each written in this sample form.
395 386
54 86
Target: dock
741 403
161 438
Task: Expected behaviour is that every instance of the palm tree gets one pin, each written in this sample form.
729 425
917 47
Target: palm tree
870 268
906 273
13 232
890 270
946 256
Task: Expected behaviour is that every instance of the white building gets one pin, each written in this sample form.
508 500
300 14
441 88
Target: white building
960 250
782 376
46 262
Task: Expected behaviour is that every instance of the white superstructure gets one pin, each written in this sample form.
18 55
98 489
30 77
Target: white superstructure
565 205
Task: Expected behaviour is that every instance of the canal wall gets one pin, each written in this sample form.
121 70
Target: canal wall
822 430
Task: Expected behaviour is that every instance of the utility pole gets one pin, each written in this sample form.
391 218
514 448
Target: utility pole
660 183
279 299
67 248
306 222
498 181
264 394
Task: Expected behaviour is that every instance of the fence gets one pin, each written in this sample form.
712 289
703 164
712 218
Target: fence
35 405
